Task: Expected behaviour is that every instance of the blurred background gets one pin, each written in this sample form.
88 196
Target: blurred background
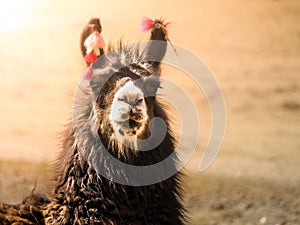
253 49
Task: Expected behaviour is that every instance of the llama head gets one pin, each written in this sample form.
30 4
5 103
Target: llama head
125 107
124 83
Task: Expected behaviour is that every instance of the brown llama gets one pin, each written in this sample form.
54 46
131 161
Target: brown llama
112 113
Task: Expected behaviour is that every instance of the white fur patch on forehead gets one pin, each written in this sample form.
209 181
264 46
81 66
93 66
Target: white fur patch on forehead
129 93
124 99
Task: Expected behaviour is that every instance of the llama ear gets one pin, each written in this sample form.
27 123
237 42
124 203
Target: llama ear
156 49
93 25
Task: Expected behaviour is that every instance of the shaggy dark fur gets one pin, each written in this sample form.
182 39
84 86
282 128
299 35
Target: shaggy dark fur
28 212
82 195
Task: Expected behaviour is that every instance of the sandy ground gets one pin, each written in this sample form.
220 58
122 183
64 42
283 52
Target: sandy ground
252 47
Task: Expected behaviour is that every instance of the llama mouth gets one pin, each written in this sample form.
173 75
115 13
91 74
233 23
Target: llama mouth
130 127
134 123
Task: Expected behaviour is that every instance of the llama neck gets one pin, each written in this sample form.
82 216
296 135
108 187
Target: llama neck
75 176
83 195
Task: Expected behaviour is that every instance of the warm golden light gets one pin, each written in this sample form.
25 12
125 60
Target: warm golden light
253 49
15 14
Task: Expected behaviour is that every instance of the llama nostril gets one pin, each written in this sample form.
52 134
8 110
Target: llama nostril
121 132
135 115
124 116
133 111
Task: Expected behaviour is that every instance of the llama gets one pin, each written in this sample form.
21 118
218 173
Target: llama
119 116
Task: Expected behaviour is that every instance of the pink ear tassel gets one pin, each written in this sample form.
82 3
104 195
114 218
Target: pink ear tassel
146 24
87 74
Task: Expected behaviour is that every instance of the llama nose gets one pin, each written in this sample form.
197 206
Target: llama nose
124 115
134 110
135 114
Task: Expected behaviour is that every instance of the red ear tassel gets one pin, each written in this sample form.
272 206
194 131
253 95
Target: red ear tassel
91 57
146 24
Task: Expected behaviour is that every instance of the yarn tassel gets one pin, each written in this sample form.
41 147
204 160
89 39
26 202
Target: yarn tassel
91 57
93 44
146 24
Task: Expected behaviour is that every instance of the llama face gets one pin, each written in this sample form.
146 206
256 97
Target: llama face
128 115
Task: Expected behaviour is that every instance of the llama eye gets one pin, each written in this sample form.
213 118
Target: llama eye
122 99
139 101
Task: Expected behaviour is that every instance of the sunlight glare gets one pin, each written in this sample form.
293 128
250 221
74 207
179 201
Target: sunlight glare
15 13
